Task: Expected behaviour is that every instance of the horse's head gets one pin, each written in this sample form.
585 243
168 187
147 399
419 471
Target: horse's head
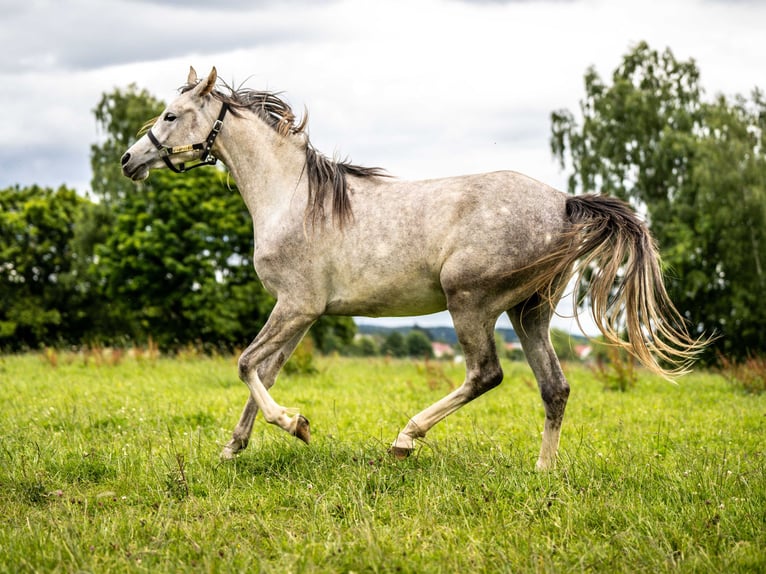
184 132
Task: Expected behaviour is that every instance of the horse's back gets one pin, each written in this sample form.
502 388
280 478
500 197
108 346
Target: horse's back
413 241
498 216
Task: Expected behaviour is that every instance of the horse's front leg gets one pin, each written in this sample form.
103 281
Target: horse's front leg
241 435
259 366
268 374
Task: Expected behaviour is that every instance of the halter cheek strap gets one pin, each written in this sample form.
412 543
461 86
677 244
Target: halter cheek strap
206 157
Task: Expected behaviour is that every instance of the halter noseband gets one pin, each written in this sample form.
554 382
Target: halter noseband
206 158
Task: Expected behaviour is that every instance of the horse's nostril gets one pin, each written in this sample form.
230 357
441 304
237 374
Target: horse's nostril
125 158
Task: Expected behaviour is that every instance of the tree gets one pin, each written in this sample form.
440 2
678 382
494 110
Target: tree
332 334
418 344
394 345
696 169
563 345
177 260
119 114
43 298
367 347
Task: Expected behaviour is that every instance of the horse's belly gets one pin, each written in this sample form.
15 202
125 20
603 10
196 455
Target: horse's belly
394 297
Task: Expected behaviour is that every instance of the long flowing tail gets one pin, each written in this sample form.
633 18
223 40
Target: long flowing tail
616 260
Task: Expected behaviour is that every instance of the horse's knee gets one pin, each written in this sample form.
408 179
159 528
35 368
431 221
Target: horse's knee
245 366
266 369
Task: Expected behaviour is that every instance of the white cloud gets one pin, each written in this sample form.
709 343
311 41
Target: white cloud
428 88
47 35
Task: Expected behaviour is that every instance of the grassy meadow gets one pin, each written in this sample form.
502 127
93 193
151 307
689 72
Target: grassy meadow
112 466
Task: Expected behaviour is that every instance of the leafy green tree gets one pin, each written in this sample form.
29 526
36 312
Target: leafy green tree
119 114
637 136
43 295
362 346
696 169
98 314
394 345
718 261
176 263
367 347
418 344
332 333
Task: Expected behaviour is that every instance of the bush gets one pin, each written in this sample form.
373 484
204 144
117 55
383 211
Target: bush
394 345
614 367
362 346
748 375
302 360
418 345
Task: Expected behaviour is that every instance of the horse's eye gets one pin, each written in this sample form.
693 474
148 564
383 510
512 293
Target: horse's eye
169 117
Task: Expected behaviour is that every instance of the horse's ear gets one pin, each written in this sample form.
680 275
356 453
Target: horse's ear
209 84
192 79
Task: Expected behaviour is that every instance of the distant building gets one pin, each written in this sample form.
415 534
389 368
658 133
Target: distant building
442 350
582 351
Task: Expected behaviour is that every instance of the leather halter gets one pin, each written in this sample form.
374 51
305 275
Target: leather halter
206 158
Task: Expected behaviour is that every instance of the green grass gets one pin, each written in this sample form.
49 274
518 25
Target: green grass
114 468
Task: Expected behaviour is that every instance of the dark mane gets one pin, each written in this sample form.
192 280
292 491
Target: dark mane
325 176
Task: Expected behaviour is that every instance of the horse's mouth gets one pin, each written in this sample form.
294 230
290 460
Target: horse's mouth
136 172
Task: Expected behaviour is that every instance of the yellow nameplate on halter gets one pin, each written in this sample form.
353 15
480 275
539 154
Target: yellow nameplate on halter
182 148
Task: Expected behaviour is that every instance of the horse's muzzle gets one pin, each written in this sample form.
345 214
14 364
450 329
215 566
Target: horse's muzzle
134 170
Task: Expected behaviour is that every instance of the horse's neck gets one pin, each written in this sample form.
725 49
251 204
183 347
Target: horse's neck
266 166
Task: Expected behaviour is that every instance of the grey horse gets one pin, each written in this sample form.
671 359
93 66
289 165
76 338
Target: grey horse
336 238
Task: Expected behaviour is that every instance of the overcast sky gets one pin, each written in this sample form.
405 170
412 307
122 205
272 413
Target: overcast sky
423 88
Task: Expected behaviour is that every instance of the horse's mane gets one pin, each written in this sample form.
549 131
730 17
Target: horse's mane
325 175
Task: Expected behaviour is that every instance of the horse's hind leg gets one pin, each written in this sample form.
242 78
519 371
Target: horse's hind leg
483 372
532 324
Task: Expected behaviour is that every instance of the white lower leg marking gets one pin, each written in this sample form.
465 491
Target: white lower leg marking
272 412
421 423
548 448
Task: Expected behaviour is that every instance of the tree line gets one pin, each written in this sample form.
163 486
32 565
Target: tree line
170 258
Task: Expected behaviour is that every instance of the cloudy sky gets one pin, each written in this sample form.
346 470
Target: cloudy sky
423 88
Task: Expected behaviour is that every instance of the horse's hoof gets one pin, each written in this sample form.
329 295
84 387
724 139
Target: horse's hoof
399 453
227 454
302 429
231 449
544 466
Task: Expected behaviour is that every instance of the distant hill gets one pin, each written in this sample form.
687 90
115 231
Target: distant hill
447 334
443 334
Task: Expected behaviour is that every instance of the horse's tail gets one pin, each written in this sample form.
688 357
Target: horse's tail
617 262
